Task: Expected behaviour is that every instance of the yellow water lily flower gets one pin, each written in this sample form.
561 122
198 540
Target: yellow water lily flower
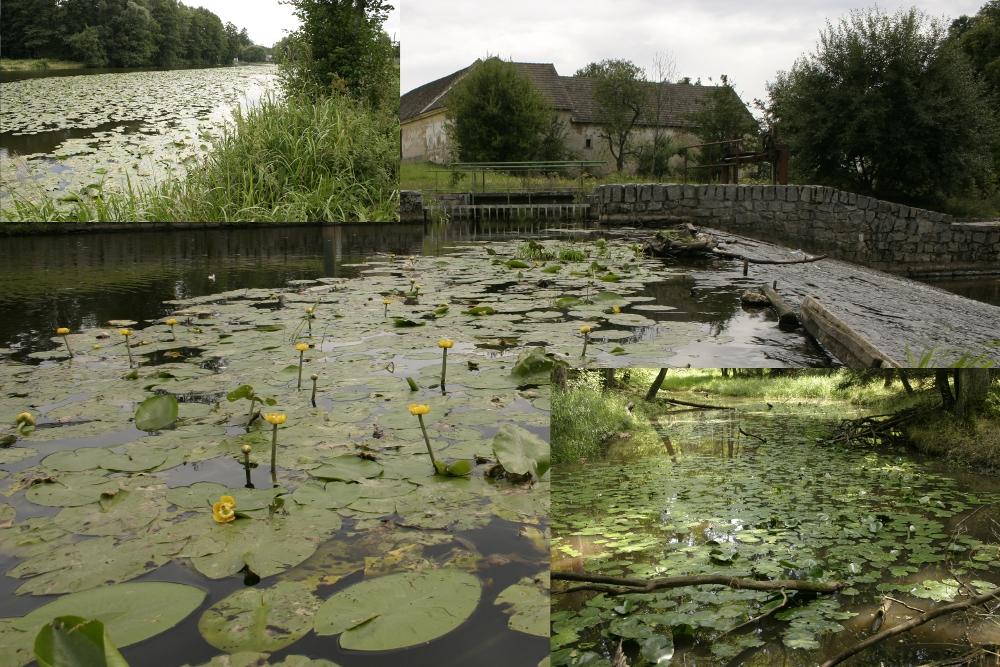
125 332
171 322
615 309
586 329
310 310
62 331
302 347
25 418
224 511
446 343
417 409
386 301
275 418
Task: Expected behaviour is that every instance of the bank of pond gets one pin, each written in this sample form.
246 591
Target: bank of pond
854 541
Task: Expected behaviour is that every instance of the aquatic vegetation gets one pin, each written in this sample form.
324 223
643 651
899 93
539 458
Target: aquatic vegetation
127 333
246 392
171 322
585 330
312 399
275 419
24 422
63 332
787 508
224 511
418 410
445 344
73 640
136 127
302 348
156 413
385 302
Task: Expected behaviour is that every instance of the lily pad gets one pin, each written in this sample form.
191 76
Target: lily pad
260 619
156 413
130 612
527 602
399 610
521 452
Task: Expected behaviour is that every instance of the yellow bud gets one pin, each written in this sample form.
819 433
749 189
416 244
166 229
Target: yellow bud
246 449
25 418
585 329
314 377
445 343
62 331
310 310
419 409
386 301
302 347
125 332
275 418
171 322
615 309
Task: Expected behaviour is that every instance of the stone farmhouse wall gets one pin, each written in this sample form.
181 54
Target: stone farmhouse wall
846 225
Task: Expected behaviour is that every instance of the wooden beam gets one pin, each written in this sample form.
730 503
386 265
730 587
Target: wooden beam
853 349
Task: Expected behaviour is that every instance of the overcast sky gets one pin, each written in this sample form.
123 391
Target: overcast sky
750 40
267 21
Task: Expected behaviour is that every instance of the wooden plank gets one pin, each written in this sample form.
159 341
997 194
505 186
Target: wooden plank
849 346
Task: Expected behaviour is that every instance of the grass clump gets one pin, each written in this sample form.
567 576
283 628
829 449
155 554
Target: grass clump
534 251
589 424
332 159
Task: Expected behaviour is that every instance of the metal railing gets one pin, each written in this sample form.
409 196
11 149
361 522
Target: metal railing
527 171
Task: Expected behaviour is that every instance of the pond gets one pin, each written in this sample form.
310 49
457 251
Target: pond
776 504
683 311
61 135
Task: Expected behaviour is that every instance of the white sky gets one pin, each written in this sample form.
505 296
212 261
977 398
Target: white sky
750 40
267 21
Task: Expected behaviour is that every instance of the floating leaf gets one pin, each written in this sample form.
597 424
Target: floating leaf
156 413
260 619
130 612
521 452
528 605
399 610
72 641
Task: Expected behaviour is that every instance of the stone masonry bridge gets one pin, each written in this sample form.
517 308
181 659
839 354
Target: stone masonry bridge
849 226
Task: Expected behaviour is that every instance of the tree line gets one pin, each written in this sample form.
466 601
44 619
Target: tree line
122 33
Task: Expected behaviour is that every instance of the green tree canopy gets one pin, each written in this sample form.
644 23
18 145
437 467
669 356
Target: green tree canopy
885 106
341 47
620 92
496 114
979 37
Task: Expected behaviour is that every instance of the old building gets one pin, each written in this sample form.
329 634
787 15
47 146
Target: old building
423 113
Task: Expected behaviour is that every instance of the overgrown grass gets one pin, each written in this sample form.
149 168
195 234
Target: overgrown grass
586 422
289 160
815 386
36 64
981 208
973 442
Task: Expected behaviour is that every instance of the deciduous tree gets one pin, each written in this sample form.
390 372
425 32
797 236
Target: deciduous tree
620 92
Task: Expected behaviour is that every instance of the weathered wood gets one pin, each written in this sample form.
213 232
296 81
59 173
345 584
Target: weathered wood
788 319
931 614
853 349
645 586
751 260
698 406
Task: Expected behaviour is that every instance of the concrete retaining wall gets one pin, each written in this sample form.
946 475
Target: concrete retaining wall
819 219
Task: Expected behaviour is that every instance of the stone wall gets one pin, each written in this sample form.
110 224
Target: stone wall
411 206
819 219
425 139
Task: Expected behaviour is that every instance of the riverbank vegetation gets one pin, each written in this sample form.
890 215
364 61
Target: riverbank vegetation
325 150
955 413
123 33
759 527
36 64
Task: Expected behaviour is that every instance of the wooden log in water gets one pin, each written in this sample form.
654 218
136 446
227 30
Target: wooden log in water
788 319
853 349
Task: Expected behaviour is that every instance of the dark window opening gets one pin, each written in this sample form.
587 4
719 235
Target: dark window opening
588 143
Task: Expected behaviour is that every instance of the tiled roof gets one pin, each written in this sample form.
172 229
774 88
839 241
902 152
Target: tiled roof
677 101
568 93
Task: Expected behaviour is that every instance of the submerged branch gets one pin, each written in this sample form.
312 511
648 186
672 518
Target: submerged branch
929 615
644 586
699 406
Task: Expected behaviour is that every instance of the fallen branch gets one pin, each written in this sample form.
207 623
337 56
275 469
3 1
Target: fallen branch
929 615
733 255
642 586
761 617
751 435
700 406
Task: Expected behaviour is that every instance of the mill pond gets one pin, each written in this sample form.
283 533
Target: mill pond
756 492
65 135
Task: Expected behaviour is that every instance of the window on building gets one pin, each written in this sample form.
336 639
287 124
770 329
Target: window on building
588 143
